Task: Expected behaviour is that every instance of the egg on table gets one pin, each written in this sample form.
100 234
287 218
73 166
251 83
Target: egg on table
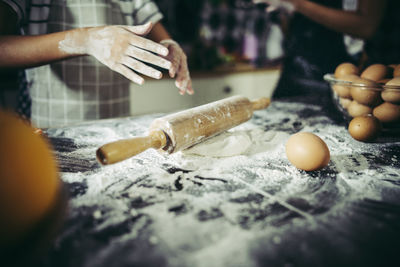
307 151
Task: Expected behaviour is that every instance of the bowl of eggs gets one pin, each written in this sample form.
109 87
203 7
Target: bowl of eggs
372 91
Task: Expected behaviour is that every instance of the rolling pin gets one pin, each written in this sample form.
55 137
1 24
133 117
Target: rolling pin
184 129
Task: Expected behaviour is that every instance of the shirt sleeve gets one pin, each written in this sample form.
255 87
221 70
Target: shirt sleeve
146 11
19 6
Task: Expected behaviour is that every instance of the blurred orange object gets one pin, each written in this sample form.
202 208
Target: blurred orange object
29 180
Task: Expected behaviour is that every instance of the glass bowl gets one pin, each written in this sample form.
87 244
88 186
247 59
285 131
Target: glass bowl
354 98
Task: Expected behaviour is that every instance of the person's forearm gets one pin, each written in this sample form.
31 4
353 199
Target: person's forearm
30 51
361 23
159 33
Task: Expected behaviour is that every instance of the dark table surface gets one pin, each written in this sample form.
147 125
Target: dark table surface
247 210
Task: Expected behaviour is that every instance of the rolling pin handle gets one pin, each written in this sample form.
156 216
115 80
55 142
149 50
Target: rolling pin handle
123 149
261 103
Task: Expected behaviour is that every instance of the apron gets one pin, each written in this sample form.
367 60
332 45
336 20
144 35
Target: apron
311 51
77 89
384 46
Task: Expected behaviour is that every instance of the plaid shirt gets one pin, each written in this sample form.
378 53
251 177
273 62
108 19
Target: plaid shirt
78 89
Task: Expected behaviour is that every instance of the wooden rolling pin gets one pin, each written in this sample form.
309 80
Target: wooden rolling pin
181 130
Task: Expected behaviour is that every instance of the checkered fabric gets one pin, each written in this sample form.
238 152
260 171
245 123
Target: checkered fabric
240 31
81 88
24 101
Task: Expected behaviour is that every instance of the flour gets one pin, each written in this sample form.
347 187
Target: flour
224 145
238 142
210 208
224 153
73 43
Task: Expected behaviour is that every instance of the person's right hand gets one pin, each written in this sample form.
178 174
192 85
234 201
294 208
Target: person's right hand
121 48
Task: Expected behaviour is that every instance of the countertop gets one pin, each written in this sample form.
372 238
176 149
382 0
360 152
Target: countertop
248 210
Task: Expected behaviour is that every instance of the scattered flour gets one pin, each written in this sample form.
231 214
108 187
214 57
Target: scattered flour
224 145
216 192
238 142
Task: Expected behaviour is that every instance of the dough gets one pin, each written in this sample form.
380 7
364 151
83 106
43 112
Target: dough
240 142
227 144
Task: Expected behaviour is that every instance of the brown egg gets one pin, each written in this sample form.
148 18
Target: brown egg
391 95
396 71
394 81
387 112
306 151
376 72
392 92
345 102
356 109
346 69
365 128
342 90
368 94
349 78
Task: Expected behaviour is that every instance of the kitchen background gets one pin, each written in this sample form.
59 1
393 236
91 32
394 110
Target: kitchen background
216 32
233 47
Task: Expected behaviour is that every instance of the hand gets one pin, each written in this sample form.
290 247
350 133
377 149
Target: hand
286 5
179 67
121 48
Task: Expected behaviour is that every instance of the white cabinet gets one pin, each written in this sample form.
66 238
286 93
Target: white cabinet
162 95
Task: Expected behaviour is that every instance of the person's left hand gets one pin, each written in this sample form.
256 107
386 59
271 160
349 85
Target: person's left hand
179 68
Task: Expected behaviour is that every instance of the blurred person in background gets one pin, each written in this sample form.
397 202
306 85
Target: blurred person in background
46 40
314 43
